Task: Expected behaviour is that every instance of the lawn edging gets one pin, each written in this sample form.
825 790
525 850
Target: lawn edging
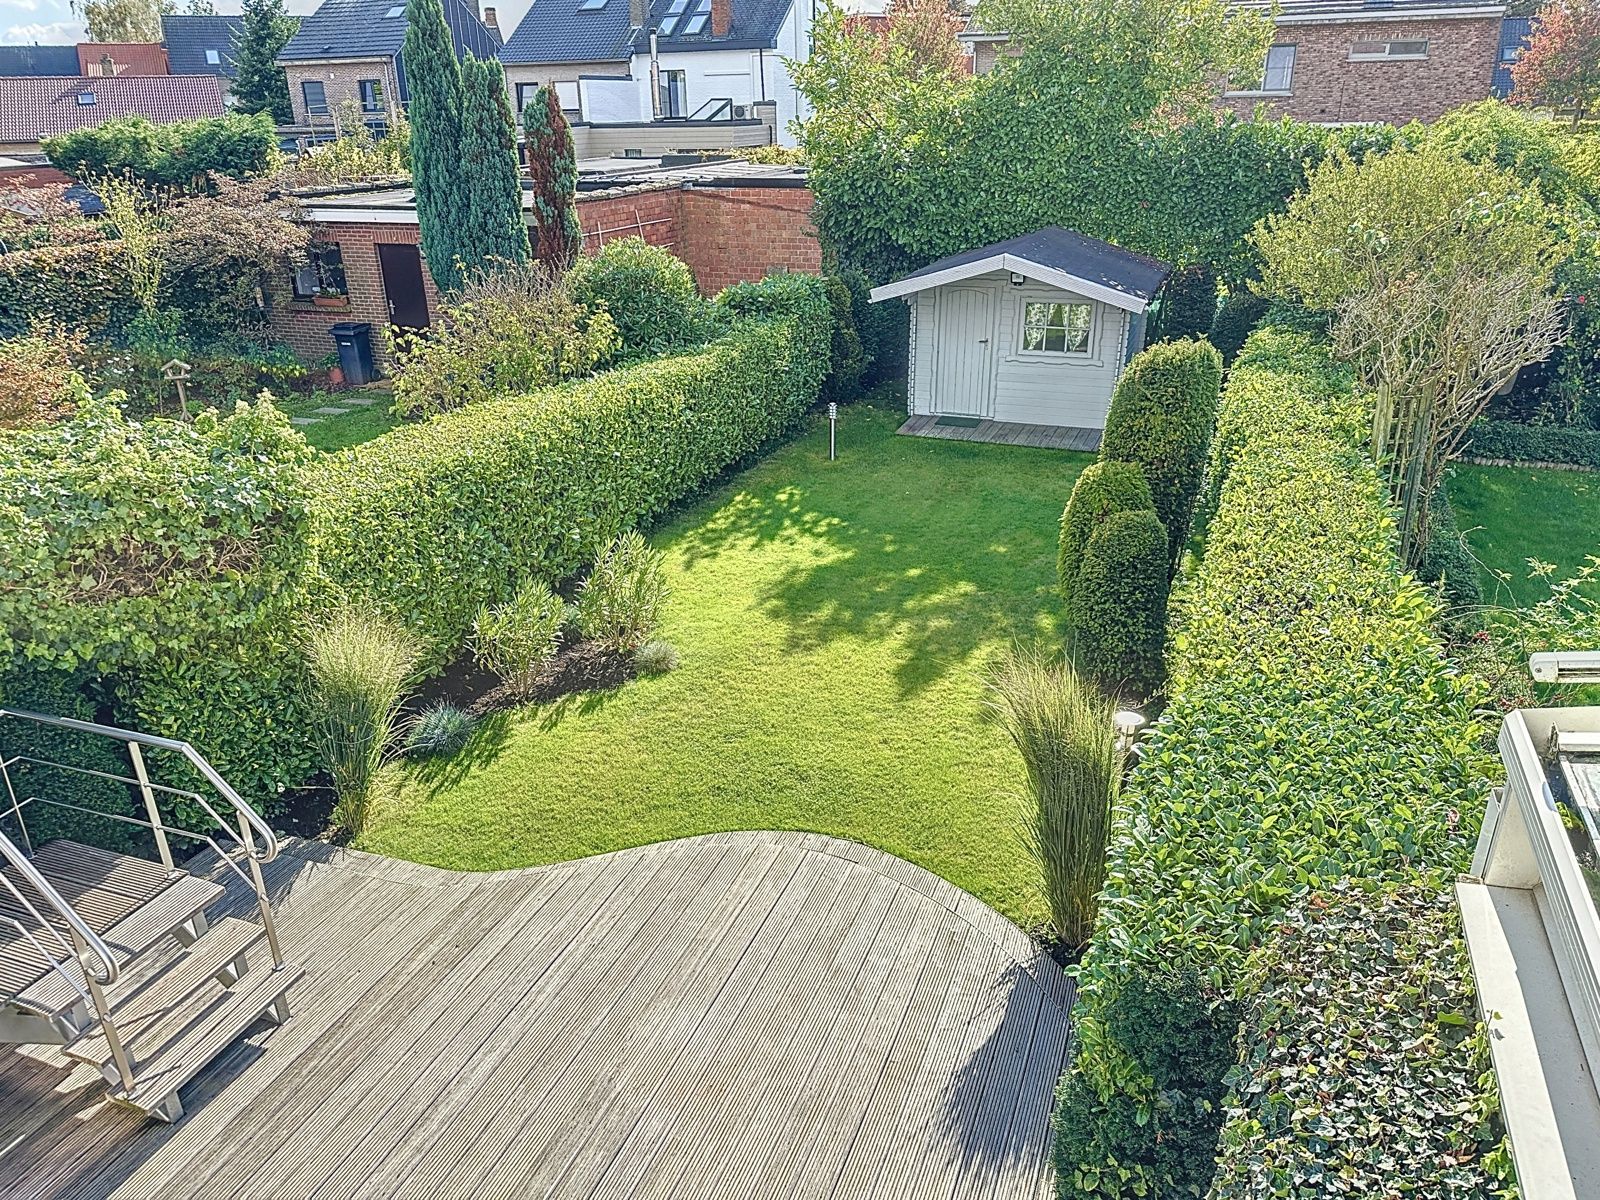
1299 648
1552 447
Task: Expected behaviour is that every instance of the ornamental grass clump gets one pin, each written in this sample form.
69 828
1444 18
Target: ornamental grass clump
441 728
515 639
360 665
1062 726
620 602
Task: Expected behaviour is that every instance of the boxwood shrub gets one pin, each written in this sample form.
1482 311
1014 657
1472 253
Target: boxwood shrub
1104 488
1313 731
1361 1055
1511 441
1161 418
1117 617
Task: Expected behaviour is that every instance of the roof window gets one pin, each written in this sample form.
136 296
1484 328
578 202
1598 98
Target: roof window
590 5
86 97
686 18
396 11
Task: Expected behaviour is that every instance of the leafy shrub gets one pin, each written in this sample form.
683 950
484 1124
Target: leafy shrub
1061 725
36 376
1510 441
174 154
1361 1050
649 294
360 665
1240 313
82 285
515 639
1104 488
619 604
1447 560
1300 647
441 728
1161 418
438 518
847 360
1117 618
508 331
1188 303
655 658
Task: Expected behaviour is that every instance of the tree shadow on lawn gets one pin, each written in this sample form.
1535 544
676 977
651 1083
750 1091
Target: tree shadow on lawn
441 772
929 574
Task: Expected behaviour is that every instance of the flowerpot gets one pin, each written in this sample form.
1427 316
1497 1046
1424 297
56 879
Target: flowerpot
330 301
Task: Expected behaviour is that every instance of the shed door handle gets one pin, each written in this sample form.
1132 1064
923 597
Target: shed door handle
983 341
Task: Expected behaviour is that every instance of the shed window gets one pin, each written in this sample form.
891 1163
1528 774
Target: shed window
322 274
1382 51
1056 328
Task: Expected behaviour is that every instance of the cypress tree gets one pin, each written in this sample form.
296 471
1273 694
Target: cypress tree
494 229
434 79
554 166
261 85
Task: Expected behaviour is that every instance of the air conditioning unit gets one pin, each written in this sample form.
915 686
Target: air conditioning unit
741 112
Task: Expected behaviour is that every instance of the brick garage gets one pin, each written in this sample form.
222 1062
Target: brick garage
1327 86
725 233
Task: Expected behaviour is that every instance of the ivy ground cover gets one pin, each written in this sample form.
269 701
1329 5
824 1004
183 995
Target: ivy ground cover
833 621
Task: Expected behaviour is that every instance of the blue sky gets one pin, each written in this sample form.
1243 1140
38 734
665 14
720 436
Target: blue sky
52 22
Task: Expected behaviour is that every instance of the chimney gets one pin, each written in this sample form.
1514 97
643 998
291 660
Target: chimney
491 22
721 17
638 13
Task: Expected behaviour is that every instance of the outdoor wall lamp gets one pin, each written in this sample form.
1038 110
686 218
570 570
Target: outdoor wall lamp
1016 279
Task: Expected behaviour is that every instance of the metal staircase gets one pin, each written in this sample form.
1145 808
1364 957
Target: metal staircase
111 956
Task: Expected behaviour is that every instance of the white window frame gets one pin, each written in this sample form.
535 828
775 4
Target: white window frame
1389 54
213 58
1063 355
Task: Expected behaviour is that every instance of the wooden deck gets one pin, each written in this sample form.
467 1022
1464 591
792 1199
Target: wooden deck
743 1015
1006 433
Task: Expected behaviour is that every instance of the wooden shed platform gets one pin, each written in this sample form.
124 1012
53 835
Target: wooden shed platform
1002 433
741 1015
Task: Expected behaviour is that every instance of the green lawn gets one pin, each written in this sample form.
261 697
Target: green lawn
833 621
1512 514
361 424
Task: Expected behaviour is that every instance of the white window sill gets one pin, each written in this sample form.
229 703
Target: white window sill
1382 58
1284 94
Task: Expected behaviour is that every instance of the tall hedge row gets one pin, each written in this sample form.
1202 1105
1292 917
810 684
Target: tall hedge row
1313 732
183 562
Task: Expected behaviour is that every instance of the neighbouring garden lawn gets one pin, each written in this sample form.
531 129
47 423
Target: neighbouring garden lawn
359 423
834 620
1512 514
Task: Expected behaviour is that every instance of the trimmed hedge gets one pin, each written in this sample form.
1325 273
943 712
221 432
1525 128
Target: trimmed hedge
1188 303
1361 1056
1161 418
1314 731
650 294
83 285
174 154
1515 442
1117 617
1240 313
1102 489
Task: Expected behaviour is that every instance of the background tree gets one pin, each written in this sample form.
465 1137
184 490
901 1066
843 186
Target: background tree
1561 65
493 232
442 187
261 86
1438 274
201 8
122 20
554 166
927 30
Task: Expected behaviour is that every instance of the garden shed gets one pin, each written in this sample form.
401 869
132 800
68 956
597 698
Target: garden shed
1034 330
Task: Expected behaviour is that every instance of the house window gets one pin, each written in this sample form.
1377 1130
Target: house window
371 91
315 96
1279 73
1050 328
685 18
1387 51
322 274
213 58
674 94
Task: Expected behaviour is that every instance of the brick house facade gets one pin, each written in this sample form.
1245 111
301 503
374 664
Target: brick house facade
726 233
1349 63
340 81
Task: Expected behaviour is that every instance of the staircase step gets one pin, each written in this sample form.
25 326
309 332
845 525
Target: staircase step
171 1047
189 971
174 905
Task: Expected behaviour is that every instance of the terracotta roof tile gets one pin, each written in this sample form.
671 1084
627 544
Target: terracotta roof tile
32 107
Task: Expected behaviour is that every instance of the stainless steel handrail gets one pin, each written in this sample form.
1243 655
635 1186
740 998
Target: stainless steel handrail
109 970
209 773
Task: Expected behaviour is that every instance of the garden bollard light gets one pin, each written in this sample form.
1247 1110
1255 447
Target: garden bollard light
833 427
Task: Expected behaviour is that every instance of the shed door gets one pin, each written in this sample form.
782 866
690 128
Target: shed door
401 267
964 357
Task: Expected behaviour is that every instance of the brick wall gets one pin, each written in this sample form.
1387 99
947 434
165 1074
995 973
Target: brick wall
1327 87
340 83
725 235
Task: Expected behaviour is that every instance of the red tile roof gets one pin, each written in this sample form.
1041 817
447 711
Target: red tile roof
32 107
127 58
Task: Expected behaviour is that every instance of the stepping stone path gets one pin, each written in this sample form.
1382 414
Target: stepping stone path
346 402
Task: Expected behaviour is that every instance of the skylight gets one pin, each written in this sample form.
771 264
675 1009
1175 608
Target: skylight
590 5
397 10
686 18
85 97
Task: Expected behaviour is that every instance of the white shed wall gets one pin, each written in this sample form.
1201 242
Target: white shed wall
1036 389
